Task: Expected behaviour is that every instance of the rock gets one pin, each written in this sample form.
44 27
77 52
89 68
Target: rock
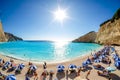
11 37
109 32
2 35
89 37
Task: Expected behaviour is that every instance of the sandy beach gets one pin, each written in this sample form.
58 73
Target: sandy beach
53 66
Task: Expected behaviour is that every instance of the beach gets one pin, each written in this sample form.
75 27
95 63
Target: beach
53 66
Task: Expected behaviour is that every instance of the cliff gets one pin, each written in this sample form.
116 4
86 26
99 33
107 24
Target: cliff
2 35
109 32
11 37
89 37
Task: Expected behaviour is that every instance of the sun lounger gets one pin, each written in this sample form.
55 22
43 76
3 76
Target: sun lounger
104 74
98 67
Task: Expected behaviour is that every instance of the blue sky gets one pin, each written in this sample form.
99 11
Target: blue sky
33 20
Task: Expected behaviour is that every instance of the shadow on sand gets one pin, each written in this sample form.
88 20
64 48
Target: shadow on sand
60 75
112 76
115 77
72 75
88 68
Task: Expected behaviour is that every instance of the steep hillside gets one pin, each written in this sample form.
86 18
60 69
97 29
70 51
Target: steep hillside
11 37
2 35
89 37
109 32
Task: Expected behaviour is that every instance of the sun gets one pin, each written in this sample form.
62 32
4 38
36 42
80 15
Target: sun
60 14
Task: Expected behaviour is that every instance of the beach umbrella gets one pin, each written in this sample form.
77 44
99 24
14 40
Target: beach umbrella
21 66
10 77
97 60
110 69
60 70
60 66
113 49
115 56
102 57
117 59
8 63
88 61
33 67
95 56
72 66
84 64
117 63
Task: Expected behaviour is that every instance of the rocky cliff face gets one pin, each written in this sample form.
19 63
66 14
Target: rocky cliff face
11 37
2 35
89 37
109 32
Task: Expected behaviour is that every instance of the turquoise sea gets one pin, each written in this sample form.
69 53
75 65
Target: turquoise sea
39 51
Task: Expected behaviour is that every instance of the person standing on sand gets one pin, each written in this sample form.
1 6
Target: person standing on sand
88 73
35 76
51 73
78 73
44 65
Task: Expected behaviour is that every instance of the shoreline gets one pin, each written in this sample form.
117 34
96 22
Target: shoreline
53 66
52 62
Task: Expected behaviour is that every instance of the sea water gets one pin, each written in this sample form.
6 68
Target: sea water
39 51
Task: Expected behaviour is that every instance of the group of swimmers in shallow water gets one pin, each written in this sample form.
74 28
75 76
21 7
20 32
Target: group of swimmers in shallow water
100 56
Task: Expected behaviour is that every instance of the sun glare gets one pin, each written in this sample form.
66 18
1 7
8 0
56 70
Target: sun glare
60 14
59 44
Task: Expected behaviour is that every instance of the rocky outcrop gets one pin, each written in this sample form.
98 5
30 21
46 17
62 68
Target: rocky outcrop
109 32
89 37
11 37
2 35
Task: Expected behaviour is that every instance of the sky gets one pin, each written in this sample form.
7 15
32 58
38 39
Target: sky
34 19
